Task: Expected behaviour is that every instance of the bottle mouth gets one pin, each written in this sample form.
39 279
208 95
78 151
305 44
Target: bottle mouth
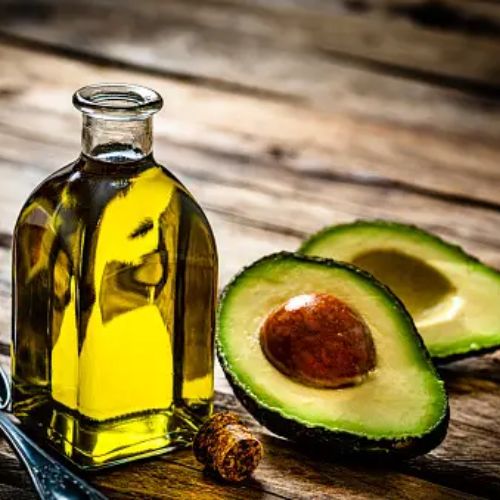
117 101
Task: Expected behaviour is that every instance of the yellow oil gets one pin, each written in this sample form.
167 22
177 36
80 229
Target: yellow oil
115 272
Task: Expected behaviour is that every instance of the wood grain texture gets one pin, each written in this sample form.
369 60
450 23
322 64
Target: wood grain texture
416 35
335 116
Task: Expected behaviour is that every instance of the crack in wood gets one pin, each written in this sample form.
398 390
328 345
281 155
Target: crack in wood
346 178
5 240
434 78
438 15
4 349
258 224
102 60
384 182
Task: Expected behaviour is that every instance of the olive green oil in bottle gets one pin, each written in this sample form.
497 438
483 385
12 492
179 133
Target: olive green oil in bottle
114 289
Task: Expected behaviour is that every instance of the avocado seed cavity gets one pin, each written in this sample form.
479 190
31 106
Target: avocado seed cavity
318 340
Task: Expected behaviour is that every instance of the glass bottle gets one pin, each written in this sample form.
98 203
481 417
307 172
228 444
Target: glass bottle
114 290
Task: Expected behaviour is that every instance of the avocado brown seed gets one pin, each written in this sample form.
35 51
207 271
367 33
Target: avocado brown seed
318 340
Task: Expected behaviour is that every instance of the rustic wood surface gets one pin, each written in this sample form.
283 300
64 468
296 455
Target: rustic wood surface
282 116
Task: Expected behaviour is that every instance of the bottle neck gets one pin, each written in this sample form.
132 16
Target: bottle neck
117 141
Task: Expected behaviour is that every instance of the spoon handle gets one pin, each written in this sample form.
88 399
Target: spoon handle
51 480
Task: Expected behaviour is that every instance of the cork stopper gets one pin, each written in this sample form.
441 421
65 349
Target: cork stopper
226 446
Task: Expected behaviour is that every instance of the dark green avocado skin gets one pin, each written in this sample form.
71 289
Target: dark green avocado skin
335 443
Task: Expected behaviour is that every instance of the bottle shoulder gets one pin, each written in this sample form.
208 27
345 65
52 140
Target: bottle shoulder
48 189
192 209
86 189
86 170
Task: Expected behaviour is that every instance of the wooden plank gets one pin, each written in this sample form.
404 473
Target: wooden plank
203 150
454 39
205 43
366 124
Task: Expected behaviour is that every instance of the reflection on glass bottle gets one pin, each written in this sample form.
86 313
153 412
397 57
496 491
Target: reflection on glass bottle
115 273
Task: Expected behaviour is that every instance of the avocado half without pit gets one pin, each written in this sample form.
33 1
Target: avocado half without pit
322 353
452 297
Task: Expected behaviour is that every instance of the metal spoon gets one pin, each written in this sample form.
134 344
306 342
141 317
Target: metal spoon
52 481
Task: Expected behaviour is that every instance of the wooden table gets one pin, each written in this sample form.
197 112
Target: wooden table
282 116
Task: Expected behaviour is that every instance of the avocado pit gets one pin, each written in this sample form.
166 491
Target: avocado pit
318 340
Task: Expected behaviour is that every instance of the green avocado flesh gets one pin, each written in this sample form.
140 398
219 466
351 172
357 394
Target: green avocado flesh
452 297
400 408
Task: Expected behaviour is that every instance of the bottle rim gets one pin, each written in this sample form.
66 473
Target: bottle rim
117 101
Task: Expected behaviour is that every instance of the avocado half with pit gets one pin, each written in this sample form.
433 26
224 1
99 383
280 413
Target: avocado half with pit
320 352
452 297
